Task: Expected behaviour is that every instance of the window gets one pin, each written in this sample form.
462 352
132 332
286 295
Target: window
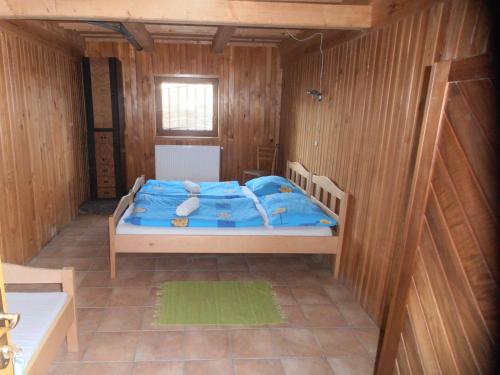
186 106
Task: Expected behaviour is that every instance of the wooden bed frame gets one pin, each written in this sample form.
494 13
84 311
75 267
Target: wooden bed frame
64 325
321 189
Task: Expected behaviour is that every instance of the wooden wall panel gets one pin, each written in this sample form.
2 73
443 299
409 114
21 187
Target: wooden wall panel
43 163
458 249
249 99
364 134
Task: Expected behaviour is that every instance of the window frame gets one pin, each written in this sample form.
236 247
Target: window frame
214 133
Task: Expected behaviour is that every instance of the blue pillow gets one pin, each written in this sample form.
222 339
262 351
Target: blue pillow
266 185
291 210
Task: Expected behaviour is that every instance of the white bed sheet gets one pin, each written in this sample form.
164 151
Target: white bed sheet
38 311
265 230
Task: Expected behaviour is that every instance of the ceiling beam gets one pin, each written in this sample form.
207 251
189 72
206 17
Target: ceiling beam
141 35
203 12
222 37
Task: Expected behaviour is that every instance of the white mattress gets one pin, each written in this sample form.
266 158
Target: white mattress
38 311
265 230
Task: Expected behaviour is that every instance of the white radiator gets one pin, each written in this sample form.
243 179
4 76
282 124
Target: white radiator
195 163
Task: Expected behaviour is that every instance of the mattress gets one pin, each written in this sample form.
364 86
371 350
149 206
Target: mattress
265 230
38 312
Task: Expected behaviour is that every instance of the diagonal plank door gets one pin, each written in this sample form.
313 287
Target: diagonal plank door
444 315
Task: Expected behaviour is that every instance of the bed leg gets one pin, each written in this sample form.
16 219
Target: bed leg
335 264
112 253
68 286
72 337
112 264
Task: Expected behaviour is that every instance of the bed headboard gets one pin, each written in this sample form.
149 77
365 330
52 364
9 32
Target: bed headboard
298 175
328 196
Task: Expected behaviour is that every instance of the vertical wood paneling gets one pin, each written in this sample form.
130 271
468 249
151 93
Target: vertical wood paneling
43 163
249 99
367 127
365 130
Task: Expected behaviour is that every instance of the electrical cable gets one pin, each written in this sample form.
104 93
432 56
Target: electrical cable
320 52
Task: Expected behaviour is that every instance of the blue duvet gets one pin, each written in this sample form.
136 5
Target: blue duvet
159 211
226 189
292 209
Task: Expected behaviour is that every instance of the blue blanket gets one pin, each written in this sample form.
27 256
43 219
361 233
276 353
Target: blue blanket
293 209
226 189
159 211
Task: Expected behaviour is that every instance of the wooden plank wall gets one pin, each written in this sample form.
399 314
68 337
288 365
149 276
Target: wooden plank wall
43 162
452 313
368 125
249 97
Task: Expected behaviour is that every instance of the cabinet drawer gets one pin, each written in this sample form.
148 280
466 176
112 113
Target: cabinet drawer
105 170
103 137
106 193
105 181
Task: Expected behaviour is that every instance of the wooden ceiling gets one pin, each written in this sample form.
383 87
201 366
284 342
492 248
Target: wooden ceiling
185 33
215 22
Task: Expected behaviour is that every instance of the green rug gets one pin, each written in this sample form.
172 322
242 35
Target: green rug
217 302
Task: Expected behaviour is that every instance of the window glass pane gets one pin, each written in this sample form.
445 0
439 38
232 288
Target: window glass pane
187 106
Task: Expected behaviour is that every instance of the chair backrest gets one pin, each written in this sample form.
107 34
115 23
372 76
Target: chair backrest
267 158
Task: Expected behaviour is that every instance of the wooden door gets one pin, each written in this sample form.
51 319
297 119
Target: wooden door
443 317
5 367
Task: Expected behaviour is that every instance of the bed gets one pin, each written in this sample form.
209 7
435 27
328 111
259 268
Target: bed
46 318
325 193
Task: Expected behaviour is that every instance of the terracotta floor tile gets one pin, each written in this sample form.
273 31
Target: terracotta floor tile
275 278
111 347
159 368
203 276
217 367
310 295
89 318
294 315
355 315
158 346
206 344
142 264
258 367
202 263
236 275
231 263
368 337
339 293
339 342
295 342
117 334
92 297
79 264
133 277
96 279
323 316
91 368
100 264
306 366
252 343
352 365
130 296
83 340
122 319
284 296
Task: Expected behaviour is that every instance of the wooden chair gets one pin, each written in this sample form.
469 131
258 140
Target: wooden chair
266 157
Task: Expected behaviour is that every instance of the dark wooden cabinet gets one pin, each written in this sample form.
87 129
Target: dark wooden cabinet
104 109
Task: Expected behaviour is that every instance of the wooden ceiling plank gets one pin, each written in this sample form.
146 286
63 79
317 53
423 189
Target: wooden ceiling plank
207 12
222 37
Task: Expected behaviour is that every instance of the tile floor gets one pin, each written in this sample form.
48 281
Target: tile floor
327 331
